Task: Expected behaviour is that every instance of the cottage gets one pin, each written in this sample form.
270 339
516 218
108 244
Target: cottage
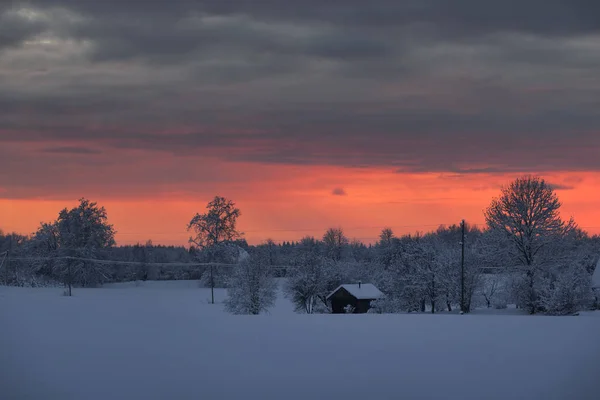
355 298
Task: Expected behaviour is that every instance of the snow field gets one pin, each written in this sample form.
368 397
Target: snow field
163 340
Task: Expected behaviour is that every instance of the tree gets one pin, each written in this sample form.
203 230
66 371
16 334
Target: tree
527 213
386 236
400 277
490 288
566 290
306 282
213 229
217 225
335 241
77 234
312 278
85 227
448 241
434 271
252 288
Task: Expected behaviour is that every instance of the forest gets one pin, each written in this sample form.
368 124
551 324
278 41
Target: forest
528 255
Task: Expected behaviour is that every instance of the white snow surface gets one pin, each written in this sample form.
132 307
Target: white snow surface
596 277
163 340
362 291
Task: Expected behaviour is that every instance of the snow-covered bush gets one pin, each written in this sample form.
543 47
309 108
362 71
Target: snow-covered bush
566 291
386 305
499 304
349 309
251 289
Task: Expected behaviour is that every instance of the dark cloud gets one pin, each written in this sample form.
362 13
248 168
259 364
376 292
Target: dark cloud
15 28
339 192
464 87
71 150
560 186
462 16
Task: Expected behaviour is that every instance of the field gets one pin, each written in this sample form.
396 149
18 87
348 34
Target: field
163 340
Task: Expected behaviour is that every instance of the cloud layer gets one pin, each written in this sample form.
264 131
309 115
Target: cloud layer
414 86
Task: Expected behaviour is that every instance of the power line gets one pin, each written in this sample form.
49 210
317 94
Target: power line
95 260
139 263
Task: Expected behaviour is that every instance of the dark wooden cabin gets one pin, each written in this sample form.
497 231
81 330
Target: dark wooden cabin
358 296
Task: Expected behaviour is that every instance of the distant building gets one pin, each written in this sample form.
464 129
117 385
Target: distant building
353 298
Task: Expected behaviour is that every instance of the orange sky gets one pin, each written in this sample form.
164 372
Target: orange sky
417 116
290 202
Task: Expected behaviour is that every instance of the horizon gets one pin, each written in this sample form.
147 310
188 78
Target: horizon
407 115
172 236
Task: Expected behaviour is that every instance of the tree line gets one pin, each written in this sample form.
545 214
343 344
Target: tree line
526 255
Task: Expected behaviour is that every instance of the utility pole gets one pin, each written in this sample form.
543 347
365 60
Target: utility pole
462 268
212 285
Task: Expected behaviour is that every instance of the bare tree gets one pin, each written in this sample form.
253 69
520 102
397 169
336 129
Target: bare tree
527 213
335 241
217 225
386 236
489 288
214 228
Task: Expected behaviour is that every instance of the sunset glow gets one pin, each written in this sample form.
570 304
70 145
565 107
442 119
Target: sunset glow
354 115
294 202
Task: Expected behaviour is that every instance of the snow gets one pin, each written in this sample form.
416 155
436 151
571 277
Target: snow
596 277
163 340
361 292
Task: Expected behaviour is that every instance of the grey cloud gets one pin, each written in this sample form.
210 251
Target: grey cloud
418 86
16 28
559 186
463 17
71 150
125 30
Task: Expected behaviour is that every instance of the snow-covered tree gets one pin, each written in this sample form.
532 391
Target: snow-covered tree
398 277
306 282
311 279
85 227
527 213
564 284
212 229
77 234
447 242
251 288
217 225
566 290
335 242
435 272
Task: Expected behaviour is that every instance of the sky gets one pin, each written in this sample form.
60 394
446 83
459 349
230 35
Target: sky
405 114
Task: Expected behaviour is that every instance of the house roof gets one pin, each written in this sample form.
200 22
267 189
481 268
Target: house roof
363 291
596 276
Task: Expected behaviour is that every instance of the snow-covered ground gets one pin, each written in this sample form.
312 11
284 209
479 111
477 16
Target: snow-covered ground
163 340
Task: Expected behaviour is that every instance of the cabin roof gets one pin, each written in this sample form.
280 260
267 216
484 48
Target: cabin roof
363 291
